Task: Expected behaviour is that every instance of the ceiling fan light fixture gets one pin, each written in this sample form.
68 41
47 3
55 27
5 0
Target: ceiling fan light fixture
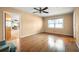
41 10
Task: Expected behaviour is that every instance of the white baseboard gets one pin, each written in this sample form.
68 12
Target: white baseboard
27 35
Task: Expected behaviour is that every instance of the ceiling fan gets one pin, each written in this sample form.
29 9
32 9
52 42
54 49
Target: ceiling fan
41 10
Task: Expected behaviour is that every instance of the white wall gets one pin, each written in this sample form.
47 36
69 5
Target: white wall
76 25
68 25
30 24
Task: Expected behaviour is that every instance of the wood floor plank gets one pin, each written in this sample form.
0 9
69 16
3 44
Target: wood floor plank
48 43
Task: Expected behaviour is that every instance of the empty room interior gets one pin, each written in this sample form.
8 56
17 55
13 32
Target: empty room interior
39 29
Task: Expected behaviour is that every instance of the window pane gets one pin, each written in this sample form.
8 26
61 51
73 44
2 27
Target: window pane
50 21
8 23
55 23
58 25
58 20
51 25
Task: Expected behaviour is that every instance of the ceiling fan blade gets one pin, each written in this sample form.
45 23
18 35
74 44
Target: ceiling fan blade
45 11
45 8
36 9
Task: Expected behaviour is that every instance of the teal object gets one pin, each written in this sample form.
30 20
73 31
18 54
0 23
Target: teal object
12 47
3 46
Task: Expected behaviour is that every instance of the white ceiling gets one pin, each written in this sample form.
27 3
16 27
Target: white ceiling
52 10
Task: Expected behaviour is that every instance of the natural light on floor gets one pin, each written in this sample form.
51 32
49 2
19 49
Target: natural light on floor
56 44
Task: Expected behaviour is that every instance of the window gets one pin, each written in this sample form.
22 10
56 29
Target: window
59 23
55 23
51 23
8 23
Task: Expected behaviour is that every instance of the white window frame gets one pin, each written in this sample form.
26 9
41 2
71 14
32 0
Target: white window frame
55 23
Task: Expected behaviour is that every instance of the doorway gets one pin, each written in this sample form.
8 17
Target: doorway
12 28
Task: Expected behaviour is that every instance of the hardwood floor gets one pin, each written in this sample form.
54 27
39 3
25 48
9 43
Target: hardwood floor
48 43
